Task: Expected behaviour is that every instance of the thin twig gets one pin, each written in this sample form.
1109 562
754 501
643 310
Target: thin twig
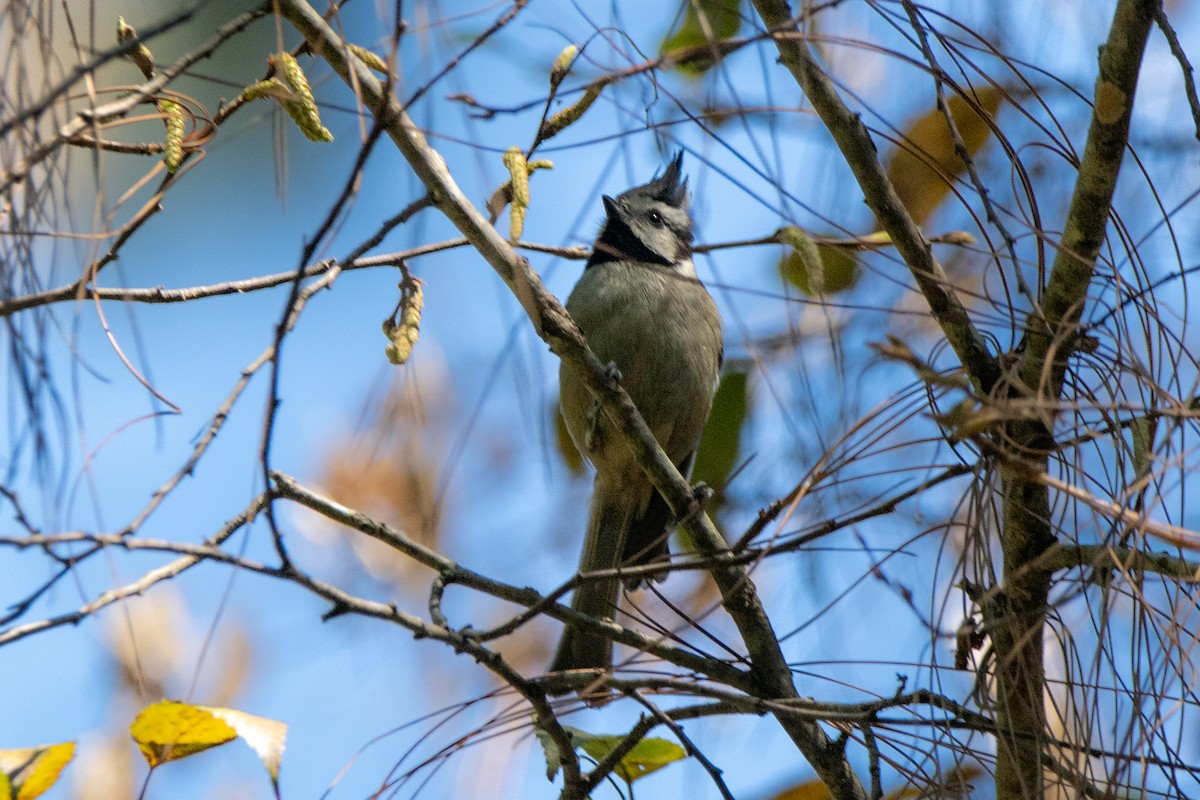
714 772
1185 66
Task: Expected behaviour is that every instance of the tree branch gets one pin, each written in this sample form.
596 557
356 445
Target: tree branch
286 487
1050 334
853 139
551 322
1121 559
86 118
139 586
1016 617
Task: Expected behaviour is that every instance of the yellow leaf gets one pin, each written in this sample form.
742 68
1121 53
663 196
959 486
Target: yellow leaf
878 238
31 771
167 731
925 165
266 737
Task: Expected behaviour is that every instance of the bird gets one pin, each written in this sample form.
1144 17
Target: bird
644 312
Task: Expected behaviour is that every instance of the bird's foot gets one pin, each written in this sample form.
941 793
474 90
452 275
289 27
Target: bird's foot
612 374
701 494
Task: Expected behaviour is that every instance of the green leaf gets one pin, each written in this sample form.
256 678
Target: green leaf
722 438
807 256
566 446
1140 432
836 270
550 751
648 755
691 45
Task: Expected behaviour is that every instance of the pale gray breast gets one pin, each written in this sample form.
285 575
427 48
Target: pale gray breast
651 323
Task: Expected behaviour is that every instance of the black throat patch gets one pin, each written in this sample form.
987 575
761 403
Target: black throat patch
617 243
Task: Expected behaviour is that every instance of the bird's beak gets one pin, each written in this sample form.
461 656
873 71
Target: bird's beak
610 206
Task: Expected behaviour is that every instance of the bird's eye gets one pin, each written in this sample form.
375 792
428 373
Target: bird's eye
656 219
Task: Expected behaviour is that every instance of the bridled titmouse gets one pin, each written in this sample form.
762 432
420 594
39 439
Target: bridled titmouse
644 312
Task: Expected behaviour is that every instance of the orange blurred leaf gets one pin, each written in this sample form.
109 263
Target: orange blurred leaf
954 784
810 790
924 166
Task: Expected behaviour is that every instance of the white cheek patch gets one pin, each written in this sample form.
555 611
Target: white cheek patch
686 268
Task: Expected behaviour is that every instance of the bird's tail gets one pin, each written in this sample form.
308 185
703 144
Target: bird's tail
612 512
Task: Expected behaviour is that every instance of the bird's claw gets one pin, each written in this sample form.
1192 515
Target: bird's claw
612 374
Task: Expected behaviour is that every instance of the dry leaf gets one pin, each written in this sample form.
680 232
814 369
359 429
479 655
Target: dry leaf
922 169
266 737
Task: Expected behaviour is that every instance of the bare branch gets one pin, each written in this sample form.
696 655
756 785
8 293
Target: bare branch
552 323
86 118
137 587
1050 334
1185 66
453 572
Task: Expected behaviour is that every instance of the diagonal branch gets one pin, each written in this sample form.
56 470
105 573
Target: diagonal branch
551 322
855 142
449 570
